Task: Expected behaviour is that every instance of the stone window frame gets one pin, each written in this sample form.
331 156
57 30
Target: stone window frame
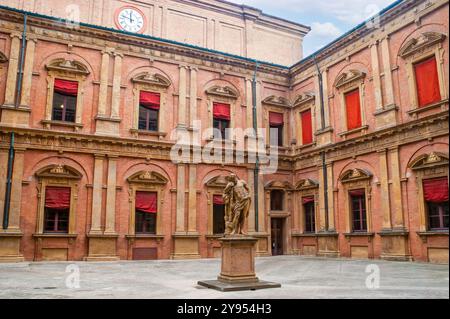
225 95
146 181
70 70
276 104
305 188
155 83
354 179
346 83
303 103
422 47
427 166
287 188
57 176
214 186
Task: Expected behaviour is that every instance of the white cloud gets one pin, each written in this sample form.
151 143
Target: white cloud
324 30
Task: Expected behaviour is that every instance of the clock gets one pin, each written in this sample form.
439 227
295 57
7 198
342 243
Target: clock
130 19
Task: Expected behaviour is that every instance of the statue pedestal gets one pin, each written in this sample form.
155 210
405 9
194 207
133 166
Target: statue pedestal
238 266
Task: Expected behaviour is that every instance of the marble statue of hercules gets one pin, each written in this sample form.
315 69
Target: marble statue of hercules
237 205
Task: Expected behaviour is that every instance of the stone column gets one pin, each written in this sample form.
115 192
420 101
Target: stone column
110 225
249 102
104 78
325 97
384 190
261 205
181 182
3 175
321 222
182 96
115 107
388 83
28 72
193 96
251 214
13 65
331 224
249 43
97 191
376 75
16 191
192 200
397 204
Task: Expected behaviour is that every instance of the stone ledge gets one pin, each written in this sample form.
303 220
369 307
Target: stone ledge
48 235
327 234
426 108
361 234
356 130
11 234
304 235
226 287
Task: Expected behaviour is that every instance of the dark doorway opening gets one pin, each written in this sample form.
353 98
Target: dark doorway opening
277 236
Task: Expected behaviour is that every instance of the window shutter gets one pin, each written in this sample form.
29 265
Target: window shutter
353 107
307 136
427 82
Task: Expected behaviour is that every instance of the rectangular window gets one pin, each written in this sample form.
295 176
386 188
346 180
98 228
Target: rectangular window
146 212
218 215
57 209
353 108
64 100
358 210
221 119
307 133
436 198
276 125
276 200
427 82
149 105
310 216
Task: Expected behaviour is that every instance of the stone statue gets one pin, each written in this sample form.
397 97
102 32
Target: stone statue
237 201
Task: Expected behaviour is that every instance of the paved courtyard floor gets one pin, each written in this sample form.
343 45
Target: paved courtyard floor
301 277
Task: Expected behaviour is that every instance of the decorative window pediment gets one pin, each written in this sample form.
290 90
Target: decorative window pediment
66 66
279 185
425 40
3 58
429 160
223 91
355 174
152 79
58 171
276 100
307 183
147 177
305 98
218 182
351 76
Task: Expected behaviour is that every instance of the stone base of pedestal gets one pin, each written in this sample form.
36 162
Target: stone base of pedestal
238 266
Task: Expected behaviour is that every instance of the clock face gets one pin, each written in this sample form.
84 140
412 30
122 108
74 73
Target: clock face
130 20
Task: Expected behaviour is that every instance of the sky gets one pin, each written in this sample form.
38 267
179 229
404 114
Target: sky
328 19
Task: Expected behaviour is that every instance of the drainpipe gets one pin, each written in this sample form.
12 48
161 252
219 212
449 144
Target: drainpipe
323 155
256 170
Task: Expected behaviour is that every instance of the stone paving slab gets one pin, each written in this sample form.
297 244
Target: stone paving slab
300 277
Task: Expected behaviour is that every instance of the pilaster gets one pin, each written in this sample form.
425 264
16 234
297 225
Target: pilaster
110 225
13 67
28 72
97 192
182 96
384 190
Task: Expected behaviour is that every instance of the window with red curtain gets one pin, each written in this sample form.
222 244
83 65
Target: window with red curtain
221 119
435 193
310 218
307 134
218 215
146 205
149 105
276 125
64 105
57 209
353 108
358 210
427 82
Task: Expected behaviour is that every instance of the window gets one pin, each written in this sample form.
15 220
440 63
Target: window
221 119
149 105
436 198
353 109
64 100
276 199
307 134
146 212
57 208
218 215
358 208
427 82
276 124
310 216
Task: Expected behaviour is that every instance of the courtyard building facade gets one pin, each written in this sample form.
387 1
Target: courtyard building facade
93 95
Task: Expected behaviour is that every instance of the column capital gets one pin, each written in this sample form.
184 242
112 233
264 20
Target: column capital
193 68
118 54
32 38
182 66
16 35
99 156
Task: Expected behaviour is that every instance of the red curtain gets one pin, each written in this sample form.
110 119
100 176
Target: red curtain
66 87
307 136
276 119
353 107
221 111
427 82
218 200
357 192
150 100
57 197
146 202
436 190
309 199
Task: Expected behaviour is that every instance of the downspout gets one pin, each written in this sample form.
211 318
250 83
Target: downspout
9 173
256 170
323 155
